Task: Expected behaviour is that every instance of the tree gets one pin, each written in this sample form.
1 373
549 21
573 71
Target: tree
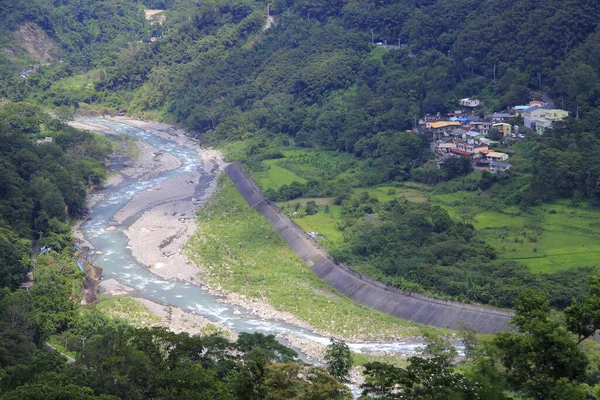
541 356
495 135
64 114
457 166
469 338
583 317
303 381
311 208
338 359
438 347
424 378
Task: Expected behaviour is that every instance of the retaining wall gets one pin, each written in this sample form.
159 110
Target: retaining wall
402 304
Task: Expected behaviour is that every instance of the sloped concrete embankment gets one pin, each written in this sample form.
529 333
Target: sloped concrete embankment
405 305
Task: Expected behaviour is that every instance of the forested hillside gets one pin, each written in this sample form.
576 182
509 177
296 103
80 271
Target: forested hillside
315 78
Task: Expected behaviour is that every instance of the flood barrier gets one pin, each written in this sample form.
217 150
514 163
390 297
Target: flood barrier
405 305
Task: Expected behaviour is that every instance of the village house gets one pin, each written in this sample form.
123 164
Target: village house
470 148
486 127
46 140
445 148
458 132
496 166
536 103
500 117
472 135
471 103
443 126
504 128
476 126
519 110
474 118
540 118
496 156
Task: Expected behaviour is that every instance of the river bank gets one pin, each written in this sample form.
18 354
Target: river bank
162 219
158 221
157 238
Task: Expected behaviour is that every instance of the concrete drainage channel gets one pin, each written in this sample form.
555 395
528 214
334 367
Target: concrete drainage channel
360 288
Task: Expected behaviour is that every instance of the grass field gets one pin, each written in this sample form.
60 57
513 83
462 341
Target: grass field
325 224
276 176
237 249
545 241
127 309
302 165
388 193
546 238
53 340
567 237
80 81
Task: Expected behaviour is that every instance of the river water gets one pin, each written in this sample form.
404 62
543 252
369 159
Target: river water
118 263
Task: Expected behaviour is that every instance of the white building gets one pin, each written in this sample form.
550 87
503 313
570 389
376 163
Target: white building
472 103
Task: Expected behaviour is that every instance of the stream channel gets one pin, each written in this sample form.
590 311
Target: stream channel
118 263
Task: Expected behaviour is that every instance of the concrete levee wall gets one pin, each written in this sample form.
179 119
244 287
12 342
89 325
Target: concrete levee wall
362 289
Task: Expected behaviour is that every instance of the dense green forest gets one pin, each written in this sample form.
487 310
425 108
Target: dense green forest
41 185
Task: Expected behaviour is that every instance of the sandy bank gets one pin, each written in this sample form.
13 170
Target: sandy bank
165 131
174 190
177 320
114 287
149 162
88 126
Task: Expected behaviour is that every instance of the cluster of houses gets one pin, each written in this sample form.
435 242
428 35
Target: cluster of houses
463 133
478 148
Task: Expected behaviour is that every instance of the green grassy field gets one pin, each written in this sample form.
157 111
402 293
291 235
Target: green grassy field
237 249
388 193
325 224
302 165
80 81
53 340
566 238
127 309
276 176
546 238
544 241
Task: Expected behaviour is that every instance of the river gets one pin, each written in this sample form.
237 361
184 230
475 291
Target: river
117 261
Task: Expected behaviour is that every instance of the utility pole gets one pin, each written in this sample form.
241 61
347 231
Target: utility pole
494 72
83 339
268 10
372 37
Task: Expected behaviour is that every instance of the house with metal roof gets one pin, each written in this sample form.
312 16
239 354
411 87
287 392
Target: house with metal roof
500 117
496 156
540 118
504 128
496 166
444 126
